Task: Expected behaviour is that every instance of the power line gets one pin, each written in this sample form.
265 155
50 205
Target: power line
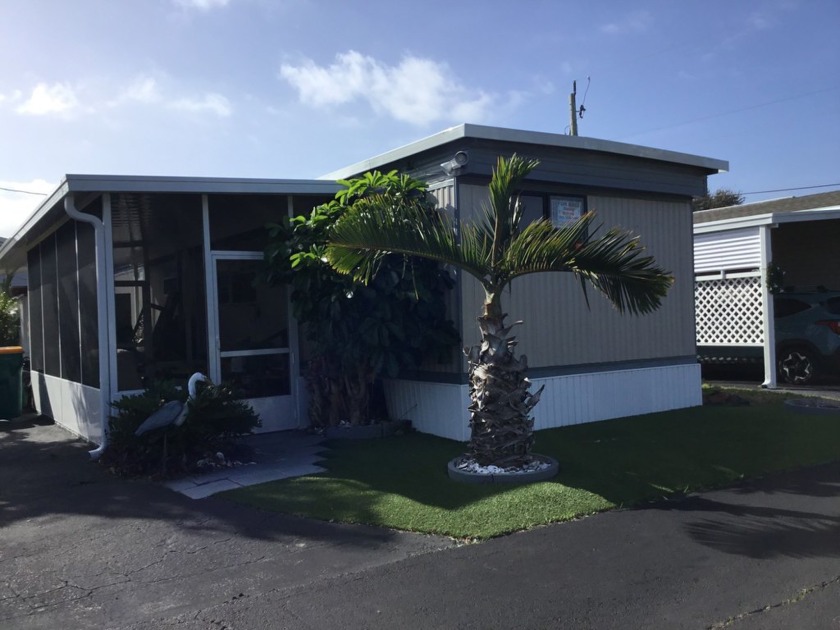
25 192
760 192
734 111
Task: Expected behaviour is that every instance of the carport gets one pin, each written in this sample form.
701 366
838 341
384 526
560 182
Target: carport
736 250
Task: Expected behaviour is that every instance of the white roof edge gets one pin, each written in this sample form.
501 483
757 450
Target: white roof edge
483 132
790 216
161 183
164 184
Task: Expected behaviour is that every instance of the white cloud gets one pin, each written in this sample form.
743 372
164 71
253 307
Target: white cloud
636 22
759 21
417 90
210 102
202 5
143 90
15 207
146 90
58 98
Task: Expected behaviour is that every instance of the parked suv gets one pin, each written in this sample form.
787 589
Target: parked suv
807 335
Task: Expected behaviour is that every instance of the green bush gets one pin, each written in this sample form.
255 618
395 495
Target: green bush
215 418
9 320
358 332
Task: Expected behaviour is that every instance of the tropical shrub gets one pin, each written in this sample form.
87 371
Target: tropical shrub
359 332
215 418
9 320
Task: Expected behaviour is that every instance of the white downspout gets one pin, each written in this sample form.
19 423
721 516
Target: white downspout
102 319
768 312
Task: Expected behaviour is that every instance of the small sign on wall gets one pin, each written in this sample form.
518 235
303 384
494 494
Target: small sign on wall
566 210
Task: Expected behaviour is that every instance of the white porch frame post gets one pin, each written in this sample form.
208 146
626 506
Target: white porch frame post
768 311
110 296
210 296
294 340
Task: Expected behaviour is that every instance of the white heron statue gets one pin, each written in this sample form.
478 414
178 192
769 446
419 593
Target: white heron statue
173 412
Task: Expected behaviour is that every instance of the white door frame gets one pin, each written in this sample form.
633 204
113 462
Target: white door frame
215 353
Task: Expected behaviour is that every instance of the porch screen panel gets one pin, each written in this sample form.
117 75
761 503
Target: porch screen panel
158 259
238 222
36 322
49 282
68 303
88 310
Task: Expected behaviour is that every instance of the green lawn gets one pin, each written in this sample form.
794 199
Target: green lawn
401 482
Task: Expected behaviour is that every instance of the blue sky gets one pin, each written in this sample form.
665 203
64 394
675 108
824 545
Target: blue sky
298 88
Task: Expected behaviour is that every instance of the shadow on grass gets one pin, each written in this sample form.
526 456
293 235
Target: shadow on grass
402 482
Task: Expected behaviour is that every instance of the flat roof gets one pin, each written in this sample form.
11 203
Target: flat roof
500 134
74 183
143 183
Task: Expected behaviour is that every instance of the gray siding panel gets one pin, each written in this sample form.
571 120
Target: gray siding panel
559 329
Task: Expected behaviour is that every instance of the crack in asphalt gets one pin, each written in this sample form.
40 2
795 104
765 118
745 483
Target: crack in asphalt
35 602
790 601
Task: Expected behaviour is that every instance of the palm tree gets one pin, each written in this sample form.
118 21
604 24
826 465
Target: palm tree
495 251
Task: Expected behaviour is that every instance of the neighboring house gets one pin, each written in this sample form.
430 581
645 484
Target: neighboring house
735 247
137 278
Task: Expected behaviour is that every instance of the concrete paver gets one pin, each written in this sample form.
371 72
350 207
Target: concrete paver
279 456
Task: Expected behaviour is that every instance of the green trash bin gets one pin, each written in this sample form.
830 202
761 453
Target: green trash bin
11 382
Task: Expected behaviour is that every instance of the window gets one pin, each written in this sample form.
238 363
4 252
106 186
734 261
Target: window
533 208
88 304
559 209
832 305
785 307
49 301
564 210
160 306
68 303
63 311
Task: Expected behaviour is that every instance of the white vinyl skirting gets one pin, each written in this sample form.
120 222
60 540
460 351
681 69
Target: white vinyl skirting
74 406
441 408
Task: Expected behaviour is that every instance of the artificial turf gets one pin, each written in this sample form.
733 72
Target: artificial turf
401 482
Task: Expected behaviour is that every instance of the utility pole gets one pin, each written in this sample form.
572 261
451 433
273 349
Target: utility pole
573 109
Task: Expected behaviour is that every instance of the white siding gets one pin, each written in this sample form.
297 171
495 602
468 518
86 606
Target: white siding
436 408
579 398
441 409
727 250
444 193
74 406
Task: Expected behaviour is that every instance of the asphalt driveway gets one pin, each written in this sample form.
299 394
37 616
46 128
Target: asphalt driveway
80 549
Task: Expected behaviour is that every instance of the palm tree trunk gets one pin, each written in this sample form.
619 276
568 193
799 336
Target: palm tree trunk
500 421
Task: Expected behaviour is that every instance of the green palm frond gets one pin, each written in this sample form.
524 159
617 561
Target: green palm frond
502 216
494 250
542 247
614 263
374 228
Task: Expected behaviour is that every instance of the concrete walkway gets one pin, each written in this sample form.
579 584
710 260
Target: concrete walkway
278 455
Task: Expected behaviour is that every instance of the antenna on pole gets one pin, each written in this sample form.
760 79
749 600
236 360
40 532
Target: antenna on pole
573 110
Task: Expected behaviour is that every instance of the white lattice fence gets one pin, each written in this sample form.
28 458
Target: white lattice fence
729 311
